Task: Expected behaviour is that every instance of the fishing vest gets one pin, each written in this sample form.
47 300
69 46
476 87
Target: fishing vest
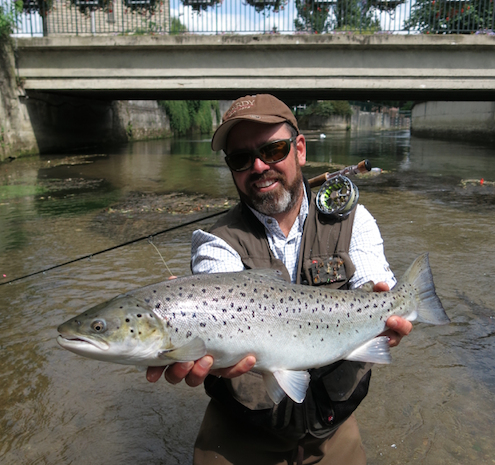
335 390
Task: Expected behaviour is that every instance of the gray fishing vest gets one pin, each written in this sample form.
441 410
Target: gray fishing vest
334 391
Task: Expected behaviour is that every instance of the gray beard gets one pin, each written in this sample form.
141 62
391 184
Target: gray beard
278 202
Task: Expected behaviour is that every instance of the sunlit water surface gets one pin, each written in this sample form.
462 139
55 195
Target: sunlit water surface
433 405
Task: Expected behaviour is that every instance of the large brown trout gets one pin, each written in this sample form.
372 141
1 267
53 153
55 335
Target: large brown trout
288 328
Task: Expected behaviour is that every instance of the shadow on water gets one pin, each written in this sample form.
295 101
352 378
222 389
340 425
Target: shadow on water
432 405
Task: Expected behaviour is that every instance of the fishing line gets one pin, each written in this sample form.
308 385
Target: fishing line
91 255
150 240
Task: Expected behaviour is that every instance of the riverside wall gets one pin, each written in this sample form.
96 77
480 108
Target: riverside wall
469 121
38 122
383 119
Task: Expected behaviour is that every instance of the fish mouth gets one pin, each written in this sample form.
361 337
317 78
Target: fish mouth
80 342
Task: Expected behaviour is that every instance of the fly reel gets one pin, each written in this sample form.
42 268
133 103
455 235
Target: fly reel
337 197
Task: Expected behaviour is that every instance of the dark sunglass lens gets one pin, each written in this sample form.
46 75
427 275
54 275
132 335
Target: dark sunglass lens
239 161
276 151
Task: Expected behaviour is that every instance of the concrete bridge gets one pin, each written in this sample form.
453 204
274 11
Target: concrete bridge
330 66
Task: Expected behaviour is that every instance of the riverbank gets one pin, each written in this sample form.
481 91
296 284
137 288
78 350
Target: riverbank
462 121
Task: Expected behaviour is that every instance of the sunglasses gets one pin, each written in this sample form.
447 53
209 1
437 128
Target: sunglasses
271 152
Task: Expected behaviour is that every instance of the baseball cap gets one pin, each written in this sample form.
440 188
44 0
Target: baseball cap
261 108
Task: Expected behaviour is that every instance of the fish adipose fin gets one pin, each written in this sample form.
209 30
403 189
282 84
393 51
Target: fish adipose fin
430 309
375 351
292 383
191 351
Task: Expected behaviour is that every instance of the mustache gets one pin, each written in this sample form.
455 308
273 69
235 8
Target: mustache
270 174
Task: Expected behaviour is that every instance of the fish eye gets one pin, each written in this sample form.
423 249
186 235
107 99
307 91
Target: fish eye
99 326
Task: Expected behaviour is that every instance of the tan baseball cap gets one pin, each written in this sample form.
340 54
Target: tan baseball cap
261 108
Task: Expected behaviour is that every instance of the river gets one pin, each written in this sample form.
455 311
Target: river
432 405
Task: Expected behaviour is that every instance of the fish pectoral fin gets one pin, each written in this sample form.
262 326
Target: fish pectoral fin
293 383
191 351
375 351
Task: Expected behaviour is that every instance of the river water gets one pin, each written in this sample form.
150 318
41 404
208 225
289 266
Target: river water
432 405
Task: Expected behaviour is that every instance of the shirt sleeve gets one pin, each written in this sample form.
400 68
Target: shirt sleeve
366 251
210 254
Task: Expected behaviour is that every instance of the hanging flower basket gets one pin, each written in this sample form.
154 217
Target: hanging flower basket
385 5
267 5
41 6
198 5
141 5
87 6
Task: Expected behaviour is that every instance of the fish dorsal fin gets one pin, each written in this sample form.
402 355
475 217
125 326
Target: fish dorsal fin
293 383
274 390
193 350
268 273
368 286
375 351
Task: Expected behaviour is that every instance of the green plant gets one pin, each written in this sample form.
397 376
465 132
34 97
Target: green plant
9 19
189 115
327 108
440 17
176 27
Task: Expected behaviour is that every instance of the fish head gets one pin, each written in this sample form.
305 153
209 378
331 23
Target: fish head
123 330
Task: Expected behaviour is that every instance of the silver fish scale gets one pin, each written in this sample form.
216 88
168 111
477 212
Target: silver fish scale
284 325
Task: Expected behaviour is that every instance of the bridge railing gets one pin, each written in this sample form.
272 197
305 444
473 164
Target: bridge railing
93 17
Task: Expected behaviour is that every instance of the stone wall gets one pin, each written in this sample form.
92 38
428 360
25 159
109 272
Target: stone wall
454 120
386 119
16 133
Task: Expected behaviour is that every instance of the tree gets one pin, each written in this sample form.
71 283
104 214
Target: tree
9 18
319 16
451 17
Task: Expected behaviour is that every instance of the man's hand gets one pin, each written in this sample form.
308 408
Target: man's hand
194 373
399 327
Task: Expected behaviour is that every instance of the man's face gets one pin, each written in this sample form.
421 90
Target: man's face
271 189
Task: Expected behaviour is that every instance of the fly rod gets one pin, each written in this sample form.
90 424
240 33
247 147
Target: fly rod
88 256
361 167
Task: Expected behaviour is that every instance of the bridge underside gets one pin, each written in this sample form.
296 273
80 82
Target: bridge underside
295 68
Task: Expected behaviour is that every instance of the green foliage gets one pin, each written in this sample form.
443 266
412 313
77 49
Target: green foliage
347 15
9 18
190 115
312 17
327 108
451 17
176 27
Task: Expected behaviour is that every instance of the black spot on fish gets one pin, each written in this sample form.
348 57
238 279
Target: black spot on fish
281 301
127 320
193 315
251 300
168 299
183 313
138 315
132 330
146 300
188 334
202 325
151 315
203 291
359 310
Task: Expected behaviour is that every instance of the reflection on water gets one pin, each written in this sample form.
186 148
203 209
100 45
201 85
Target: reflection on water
432 405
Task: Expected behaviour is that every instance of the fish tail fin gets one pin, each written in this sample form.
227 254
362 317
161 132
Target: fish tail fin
430 309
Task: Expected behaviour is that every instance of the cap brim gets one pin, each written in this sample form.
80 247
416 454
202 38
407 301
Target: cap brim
219 139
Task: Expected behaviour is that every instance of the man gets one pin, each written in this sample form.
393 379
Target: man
276 225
